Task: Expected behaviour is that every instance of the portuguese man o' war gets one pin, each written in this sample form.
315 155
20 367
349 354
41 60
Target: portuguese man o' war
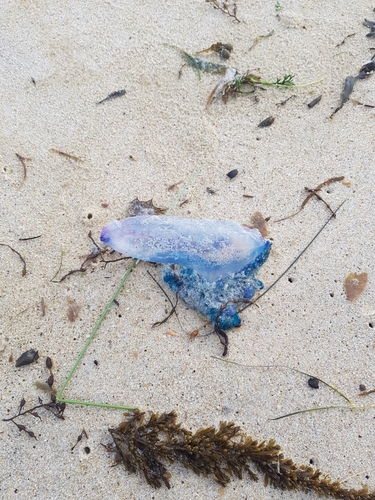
211 264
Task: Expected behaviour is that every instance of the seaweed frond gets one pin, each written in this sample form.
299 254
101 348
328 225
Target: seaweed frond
144 446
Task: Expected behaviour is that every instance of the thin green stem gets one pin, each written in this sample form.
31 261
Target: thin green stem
100 405
96 328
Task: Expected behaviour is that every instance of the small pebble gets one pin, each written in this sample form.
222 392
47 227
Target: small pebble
313 383
232 174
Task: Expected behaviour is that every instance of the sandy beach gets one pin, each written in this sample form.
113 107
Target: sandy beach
69 166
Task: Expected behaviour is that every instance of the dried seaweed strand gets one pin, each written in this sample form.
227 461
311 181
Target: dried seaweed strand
312 193
19 255
222 454
23 161
173 310
66 155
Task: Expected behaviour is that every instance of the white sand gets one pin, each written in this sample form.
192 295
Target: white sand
77 55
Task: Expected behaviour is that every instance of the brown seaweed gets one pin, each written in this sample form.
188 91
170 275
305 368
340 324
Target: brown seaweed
229 10
23 161
314 193
65 155
19 255
145 446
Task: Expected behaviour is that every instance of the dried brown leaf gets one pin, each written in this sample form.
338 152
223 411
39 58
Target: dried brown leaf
354 285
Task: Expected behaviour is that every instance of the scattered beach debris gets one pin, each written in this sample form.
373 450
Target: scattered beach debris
211 190
228 9
57 409
314 102
366 70
145 446
314 192
19 255
371 25
223 49
73 310
232 174
113 95
282 103
23 161
346 91
27 358
79 438
267 122
138 207
65 155
354 285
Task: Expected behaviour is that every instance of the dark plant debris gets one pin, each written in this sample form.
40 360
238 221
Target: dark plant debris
113 95
371 25
57 409
138 207
232 174
98 252
223 49
314 193
366 70
66 155
79 438
173 310
344 40
30 238
282 103
23 161
354 285
366 393
228 9
314 102
145 446
223 337
267 122
19 255
43 306
27 358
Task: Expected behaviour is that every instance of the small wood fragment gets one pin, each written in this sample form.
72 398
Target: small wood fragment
314 102
66 155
